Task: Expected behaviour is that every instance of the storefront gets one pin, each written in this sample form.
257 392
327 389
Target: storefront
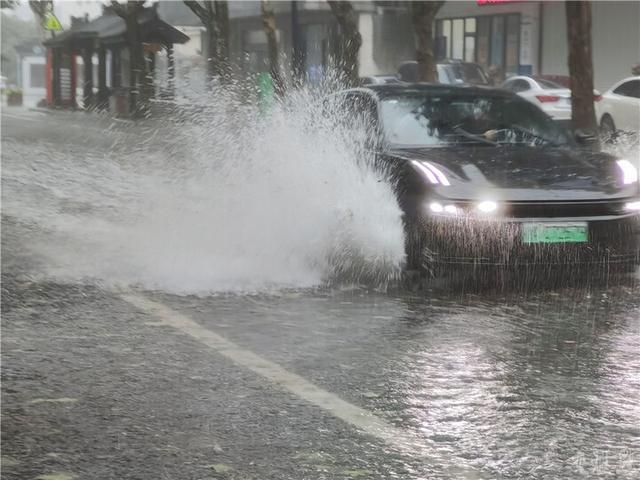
530 37
491 33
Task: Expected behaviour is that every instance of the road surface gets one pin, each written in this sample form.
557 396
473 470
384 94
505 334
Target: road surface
108 379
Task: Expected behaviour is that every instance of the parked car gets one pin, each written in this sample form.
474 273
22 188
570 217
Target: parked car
619 108
551 97
450 72
378 79
484 177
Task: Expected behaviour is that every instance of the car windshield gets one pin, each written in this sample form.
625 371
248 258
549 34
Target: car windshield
446 119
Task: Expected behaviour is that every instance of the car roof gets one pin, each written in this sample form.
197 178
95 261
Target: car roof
447 62
394 88
520 77
620 82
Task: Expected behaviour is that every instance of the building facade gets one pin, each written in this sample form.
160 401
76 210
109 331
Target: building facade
31 71
517 37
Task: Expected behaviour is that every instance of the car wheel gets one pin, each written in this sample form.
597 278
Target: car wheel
607 128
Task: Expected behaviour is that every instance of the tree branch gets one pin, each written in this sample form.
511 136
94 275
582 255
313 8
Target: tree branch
119 9
39 8
201 12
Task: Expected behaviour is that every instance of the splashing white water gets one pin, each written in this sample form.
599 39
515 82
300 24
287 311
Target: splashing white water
227 200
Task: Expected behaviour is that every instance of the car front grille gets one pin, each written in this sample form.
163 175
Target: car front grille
563 209
468 241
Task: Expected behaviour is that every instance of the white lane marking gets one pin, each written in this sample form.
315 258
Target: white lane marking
358 417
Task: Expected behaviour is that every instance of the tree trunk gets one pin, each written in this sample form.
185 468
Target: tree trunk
207 15
210 37
138 80
136 65
269 24
351 40
222 40
214 16
583 116
423 15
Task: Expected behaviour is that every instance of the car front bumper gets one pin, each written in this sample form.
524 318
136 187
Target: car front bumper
470 241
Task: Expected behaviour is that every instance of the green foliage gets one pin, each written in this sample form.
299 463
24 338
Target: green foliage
12 91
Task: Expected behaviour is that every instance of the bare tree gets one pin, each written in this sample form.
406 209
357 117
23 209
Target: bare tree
351 40
130 12
423 15
269 25
40 8
583 116
206 13
214 16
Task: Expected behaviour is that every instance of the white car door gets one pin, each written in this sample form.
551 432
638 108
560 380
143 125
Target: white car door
625 109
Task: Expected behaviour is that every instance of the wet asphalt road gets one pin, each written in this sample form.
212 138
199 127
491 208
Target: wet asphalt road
307 384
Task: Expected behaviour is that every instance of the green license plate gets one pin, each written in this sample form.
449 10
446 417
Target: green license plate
547 232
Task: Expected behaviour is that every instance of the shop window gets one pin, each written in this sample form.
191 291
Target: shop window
512 44
457 39
469 48
470 25
446 33
487 40
482 39
36 73
497 41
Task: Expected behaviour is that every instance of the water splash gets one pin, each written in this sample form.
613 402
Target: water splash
226 198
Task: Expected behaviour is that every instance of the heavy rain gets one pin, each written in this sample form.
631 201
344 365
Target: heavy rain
320 240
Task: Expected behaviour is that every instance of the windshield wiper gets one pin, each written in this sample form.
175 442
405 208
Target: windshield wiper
472 136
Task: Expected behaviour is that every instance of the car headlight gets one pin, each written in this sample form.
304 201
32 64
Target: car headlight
629 171
632 206
444 209
432 173
487 206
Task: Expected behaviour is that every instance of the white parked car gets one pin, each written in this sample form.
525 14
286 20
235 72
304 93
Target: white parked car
551 97
619 107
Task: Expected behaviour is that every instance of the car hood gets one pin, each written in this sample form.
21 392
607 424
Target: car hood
518 173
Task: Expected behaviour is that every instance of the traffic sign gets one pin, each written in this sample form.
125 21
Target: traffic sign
51 22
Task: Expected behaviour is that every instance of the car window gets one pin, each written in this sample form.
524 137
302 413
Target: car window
629 89
517 85
442 119
548 85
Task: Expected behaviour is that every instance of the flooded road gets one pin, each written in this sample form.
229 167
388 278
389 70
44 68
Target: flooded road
140 358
